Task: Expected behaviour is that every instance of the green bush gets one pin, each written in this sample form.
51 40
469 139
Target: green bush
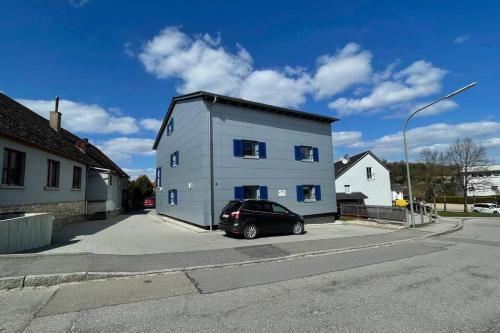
460 200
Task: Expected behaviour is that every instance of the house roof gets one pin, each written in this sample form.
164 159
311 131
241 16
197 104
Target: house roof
20 123
350 196
239 102
341 168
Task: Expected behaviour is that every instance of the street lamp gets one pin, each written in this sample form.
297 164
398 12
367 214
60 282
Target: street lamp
450 95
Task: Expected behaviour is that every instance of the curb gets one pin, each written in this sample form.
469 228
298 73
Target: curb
47 280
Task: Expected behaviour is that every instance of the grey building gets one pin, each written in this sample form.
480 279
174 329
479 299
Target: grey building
48 169
211 149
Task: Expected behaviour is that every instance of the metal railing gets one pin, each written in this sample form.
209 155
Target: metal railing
389 213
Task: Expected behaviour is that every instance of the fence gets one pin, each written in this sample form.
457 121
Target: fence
375 212
20 232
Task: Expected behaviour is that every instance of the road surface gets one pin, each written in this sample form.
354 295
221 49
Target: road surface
445 284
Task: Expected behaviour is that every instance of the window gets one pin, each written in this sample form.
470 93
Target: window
260 206
110 179
53 173
174 159
13 167
250 192
369 173
158 177
170 127
172 197
249 149
347 189
279 209
306 153
77 178
308 193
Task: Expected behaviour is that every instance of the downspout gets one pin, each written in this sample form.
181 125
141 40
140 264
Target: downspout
212 190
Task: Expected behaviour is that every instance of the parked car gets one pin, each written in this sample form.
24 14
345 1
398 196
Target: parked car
488 208
252 218
401 203
149 202
420 205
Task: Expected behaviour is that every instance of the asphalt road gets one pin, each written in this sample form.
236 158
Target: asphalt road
445 284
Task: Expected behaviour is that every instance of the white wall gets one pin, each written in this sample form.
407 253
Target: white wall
34 190
378 190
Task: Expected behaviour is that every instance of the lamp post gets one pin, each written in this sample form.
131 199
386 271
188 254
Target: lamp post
449 96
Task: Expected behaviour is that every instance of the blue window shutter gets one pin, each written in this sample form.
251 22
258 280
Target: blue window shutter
175 196
177 155
300 193
315 154
238 192
297 153
169 197
317 192
263 192
158 177
262 150
171 125
237 148
171 160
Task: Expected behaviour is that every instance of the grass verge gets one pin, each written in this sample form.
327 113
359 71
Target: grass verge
468 214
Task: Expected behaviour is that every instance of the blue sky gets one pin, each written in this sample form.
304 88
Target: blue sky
117 64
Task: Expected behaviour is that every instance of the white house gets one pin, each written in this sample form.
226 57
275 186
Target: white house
363 177
483 181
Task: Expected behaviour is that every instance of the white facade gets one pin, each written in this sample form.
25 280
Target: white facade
485 181
397 195
355 179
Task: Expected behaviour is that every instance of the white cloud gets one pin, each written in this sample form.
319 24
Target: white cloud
122 149
420 79
438 108
336 73
86 118
151 124
461 39
437 136
202 63
346 138
134 173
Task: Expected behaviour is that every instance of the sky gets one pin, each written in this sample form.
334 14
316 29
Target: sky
116 65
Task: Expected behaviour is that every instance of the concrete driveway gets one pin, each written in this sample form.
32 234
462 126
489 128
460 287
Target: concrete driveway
147 233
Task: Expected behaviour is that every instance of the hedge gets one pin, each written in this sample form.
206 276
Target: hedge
460 200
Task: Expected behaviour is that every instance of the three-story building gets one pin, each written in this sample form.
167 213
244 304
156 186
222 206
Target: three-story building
212 149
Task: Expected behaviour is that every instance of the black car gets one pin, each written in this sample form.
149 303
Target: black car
251 218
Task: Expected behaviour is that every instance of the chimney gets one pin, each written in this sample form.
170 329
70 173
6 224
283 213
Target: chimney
82 144
55 117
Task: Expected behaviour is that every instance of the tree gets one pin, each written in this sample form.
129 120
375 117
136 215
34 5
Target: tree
139 189
468 157
438 175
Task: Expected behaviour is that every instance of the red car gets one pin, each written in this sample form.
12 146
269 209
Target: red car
149 202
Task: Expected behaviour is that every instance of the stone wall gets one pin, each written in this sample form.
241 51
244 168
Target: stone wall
64 212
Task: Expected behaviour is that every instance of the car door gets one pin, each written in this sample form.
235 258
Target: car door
261 213
284 220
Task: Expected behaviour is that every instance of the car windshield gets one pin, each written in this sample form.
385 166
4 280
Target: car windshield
232 206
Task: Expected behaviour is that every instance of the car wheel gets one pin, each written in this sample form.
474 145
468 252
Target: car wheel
298 228
250 231
495 212
475 211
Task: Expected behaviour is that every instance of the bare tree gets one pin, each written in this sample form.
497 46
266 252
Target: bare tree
438 173
468 157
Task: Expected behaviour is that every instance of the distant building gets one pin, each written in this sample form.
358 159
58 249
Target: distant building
397 192
363 178
48 169
483 181
212 149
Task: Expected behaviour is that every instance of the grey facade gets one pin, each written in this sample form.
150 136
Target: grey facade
210 172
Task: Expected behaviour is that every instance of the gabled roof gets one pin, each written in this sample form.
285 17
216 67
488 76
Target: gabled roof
239 102
350 196
20 123
341 168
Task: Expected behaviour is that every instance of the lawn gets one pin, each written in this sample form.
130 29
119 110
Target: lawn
468 214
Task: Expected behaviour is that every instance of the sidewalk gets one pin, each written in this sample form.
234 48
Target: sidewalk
33 270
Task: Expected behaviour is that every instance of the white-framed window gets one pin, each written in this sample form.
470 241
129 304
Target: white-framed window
309 192
369 173
174 159
172 197
347 189
251 192
306 153
170 127
250 148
